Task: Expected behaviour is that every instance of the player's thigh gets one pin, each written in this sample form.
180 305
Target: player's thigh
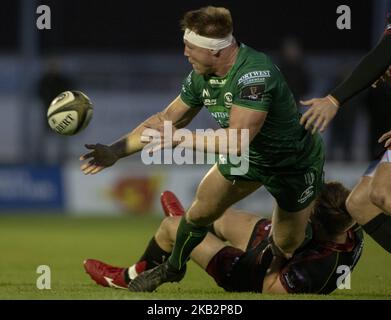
359 204
206 250
236 226
295 194
215 194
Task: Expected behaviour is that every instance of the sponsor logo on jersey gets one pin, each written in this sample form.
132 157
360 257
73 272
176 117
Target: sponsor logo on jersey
228 99
205 93
217 82
307 193
254 76
210 102
288 281
253 93
222 118
220 115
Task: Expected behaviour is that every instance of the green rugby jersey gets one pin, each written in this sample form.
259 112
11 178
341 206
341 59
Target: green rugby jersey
255 82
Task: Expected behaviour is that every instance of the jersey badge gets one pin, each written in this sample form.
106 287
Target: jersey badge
253 93
228 99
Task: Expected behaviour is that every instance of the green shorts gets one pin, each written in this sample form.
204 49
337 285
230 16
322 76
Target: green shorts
294 188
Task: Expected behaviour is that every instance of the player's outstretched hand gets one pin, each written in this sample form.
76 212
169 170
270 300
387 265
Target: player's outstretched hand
320 113
101 157
387 138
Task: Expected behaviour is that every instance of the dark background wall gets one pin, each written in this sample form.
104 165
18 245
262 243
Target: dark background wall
154 25
129 53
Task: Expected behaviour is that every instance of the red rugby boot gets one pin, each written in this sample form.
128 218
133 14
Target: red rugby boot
171 205
106 275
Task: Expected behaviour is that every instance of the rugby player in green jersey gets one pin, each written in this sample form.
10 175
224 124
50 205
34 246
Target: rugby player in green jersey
246 94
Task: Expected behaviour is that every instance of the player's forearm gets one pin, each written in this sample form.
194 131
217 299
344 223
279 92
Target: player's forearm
221 141
127 145
371 67
131 143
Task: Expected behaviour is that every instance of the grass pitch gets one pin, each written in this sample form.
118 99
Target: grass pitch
62 243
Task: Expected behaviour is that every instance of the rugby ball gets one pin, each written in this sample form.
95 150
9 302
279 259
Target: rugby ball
69 113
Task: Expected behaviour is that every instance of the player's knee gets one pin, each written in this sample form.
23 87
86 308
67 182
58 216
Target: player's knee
200 214
169 226
378 196
200 219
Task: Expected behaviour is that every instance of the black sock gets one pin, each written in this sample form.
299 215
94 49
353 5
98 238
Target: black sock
379 228
127 278
153 255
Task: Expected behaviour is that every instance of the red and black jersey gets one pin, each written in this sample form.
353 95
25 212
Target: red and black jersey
317 267
239 271
313 269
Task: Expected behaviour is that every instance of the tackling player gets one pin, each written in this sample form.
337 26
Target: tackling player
370 201
243 264
243 90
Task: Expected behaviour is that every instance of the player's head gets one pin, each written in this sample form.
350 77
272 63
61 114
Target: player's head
206 31
330 212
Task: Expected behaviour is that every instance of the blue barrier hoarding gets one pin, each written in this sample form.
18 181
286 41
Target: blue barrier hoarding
31 188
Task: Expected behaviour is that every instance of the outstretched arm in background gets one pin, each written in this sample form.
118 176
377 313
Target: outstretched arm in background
371 68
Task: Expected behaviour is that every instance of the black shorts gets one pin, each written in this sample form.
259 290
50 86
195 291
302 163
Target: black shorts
239 271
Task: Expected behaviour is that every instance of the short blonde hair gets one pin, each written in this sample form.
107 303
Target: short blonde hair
213 22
